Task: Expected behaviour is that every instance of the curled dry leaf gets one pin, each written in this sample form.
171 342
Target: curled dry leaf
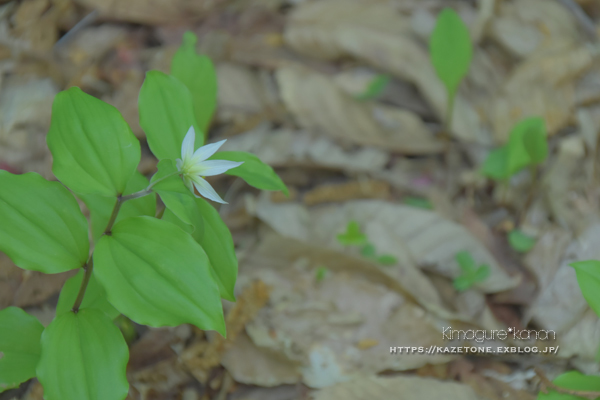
283 147
379 35
404 387
322 325
320 105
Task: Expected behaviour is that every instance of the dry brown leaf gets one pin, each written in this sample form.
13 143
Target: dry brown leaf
154 12
526 25
240 91
398 387
320 105
412 235
368 189
283 147
376 33
543 85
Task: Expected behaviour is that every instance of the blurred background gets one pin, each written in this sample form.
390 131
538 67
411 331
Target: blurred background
340 97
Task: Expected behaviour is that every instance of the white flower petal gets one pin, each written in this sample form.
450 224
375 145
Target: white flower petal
179 164
206 151
189 184
216 167
206 190
187 147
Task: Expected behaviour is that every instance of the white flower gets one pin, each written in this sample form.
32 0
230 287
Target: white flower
195 166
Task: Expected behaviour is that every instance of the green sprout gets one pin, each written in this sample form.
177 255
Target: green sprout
354 237
451 51
321 273
520 242
470 272
375 88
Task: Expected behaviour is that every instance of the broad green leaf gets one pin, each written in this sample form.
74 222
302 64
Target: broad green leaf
520 242
387 259
588 277
527 144
353 236
466 262
496 164
157 275
482 273
84 357
101 207
199 76
573 380
166 114
450 49
375 88
41 225
177 198
218 245
93 148
255 172
95 296
19 345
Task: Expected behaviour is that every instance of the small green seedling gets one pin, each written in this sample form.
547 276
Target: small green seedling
451 51
354 237
375 88
527 147
470 273
418 202
520 242
321 273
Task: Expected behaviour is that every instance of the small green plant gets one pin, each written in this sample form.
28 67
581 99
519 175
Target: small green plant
156 271
450 50
375 88
418 202
470 272
520 242
573 385
354 237
321 273
527 146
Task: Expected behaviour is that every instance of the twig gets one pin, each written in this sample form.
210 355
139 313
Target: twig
547 384
582 18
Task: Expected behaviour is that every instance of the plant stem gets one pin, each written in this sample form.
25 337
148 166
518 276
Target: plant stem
534 172
113 215
547 384
89 266
148 190
449 113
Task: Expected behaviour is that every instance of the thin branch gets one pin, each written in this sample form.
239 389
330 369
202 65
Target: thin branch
547 384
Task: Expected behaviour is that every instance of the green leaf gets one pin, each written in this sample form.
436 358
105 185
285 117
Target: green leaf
572 380
588 277
466 262
375 88
157 275
199 76
84 357
177 198
218 245
95 296
520 242
321 273
418 202
387 259
255 172
450 49
496 164
368 251
462 283
353 236
482 273
527 145
93 148
20 345
101 207
42 228
166 114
